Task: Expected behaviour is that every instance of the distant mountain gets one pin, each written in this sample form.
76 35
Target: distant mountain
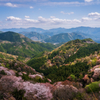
82 29
34 36
30 29
88 32
17 44
64 37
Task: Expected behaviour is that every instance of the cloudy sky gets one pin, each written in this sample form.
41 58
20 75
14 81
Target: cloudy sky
49 14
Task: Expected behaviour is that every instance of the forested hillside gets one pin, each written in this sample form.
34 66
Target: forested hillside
59 64
70 71
17 44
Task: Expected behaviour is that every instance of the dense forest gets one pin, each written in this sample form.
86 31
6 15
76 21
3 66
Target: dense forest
59 67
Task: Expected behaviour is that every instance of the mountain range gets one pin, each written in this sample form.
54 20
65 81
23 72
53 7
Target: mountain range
88 32
64 37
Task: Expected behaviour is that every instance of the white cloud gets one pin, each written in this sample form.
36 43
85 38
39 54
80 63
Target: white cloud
46 2
22 0
76 20
31 20
11 5
47 23
94 14
97 19
27 16
67 13
31 7
76 3
88 0
12 18
52 20
41 20
62 3
86 19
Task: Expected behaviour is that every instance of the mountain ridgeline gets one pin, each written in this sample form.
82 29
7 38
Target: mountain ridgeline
88 32
34 36
17 44
13 37
64 37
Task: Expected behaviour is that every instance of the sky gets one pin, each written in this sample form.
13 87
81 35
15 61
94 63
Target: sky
49 14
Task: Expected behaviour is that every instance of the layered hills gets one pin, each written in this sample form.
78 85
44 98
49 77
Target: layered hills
64 37
34 36
54 64
88 32
17 44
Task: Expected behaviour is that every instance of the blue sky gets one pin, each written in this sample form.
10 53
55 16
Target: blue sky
49 14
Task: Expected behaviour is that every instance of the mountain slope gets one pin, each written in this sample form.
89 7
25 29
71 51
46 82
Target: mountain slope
13 37
19 81
64 37
34 36
59 55
59 61
14 43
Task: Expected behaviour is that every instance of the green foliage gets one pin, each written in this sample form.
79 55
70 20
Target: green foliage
19 94
1 56
64 93
20 58
38 55
25 77
60 73
25 49
88 39
38 79
83 52
18 66
3 72
68 52
94 61
73 77
10 36
79 96
1 96
93 87
53 54
36 63
21 45
7 65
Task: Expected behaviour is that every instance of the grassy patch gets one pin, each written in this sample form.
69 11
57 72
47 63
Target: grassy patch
93 87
